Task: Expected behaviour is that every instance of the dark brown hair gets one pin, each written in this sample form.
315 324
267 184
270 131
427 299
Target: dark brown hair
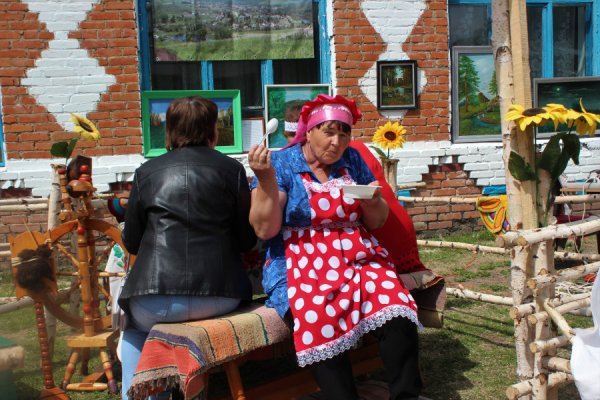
190 122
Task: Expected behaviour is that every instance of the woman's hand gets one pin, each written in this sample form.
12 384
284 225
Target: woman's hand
259 160
375 210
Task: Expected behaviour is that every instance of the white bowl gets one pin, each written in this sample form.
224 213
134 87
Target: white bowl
359 191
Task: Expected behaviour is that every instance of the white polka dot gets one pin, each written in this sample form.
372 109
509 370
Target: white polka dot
311 317
356 296
326 232
322 247
403 297
312 232
335 193
334 262
303 262
309 248
307 338
288 263
344 288
299 304
375 265
348 200
356 278
295 248
332 275
353 217
384 252
330 296
324 287
296 324
291 292
324 204
410 297
306 288
387 284
366 307
318 263
330 310
340 212
344 303
313 214
312 274
370 287
318 300
337 244
366 242
326 221
346 244
360 255
286 234
384 298
355 315
375 241
391 274
300 232
327 331
296 273
348 273
371 274
349 231
342 323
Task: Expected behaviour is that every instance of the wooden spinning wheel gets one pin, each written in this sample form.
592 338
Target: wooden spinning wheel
73 243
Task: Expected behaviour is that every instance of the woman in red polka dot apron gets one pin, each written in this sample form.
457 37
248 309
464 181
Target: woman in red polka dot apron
340 282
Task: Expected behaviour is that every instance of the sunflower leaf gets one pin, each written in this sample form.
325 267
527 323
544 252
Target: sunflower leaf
60 149
550 154
71 147
520 169
379 151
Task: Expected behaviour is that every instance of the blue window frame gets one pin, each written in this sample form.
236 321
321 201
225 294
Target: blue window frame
248 76
564 36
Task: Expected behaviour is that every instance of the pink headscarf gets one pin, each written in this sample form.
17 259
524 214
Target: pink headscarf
325 108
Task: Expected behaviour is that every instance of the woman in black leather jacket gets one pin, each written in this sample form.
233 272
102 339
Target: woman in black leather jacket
187 222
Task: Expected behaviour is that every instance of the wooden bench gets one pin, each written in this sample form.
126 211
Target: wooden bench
184 354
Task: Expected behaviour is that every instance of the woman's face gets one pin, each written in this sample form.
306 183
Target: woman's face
328 142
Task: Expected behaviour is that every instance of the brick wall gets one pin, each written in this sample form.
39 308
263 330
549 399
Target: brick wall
58 58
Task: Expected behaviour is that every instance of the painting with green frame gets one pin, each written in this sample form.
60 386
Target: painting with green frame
229 122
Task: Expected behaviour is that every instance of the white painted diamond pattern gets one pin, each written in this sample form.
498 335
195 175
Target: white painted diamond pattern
65 78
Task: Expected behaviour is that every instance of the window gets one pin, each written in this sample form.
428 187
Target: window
249 76
560 36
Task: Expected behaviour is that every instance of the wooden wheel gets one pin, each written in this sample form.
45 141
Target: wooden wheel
80 265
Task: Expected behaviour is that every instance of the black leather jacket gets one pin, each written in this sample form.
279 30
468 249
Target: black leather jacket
187 222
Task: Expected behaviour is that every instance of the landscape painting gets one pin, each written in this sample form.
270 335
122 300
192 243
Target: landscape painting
396 85
568 92
220 30
154 111
476 108
279 97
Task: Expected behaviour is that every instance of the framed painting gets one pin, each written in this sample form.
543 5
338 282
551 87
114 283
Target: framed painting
396 85
279 97
229 122
475 102
568 92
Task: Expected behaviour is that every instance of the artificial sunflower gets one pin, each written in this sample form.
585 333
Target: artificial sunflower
587 121
390 136
523 118
85 128
558 113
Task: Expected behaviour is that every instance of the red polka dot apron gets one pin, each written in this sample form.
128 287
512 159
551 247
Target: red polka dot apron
341 282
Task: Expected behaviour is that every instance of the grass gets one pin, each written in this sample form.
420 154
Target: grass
471 358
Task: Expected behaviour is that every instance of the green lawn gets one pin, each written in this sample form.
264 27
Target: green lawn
471 358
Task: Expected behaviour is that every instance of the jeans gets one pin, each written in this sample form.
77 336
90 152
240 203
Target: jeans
146 311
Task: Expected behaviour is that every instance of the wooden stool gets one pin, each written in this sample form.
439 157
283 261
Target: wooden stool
81 345
11 356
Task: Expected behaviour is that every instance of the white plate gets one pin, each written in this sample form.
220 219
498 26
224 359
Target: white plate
359 191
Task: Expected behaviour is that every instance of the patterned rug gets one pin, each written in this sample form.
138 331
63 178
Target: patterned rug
179 354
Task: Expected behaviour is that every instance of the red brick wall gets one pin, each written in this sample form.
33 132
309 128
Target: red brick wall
109 34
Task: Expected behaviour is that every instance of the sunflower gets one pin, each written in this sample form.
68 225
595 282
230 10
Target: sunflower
390 136
558 113
523 118
587 121
85 128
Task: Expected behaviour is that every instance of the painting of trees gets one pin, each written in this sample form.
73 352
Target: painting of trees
467 75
